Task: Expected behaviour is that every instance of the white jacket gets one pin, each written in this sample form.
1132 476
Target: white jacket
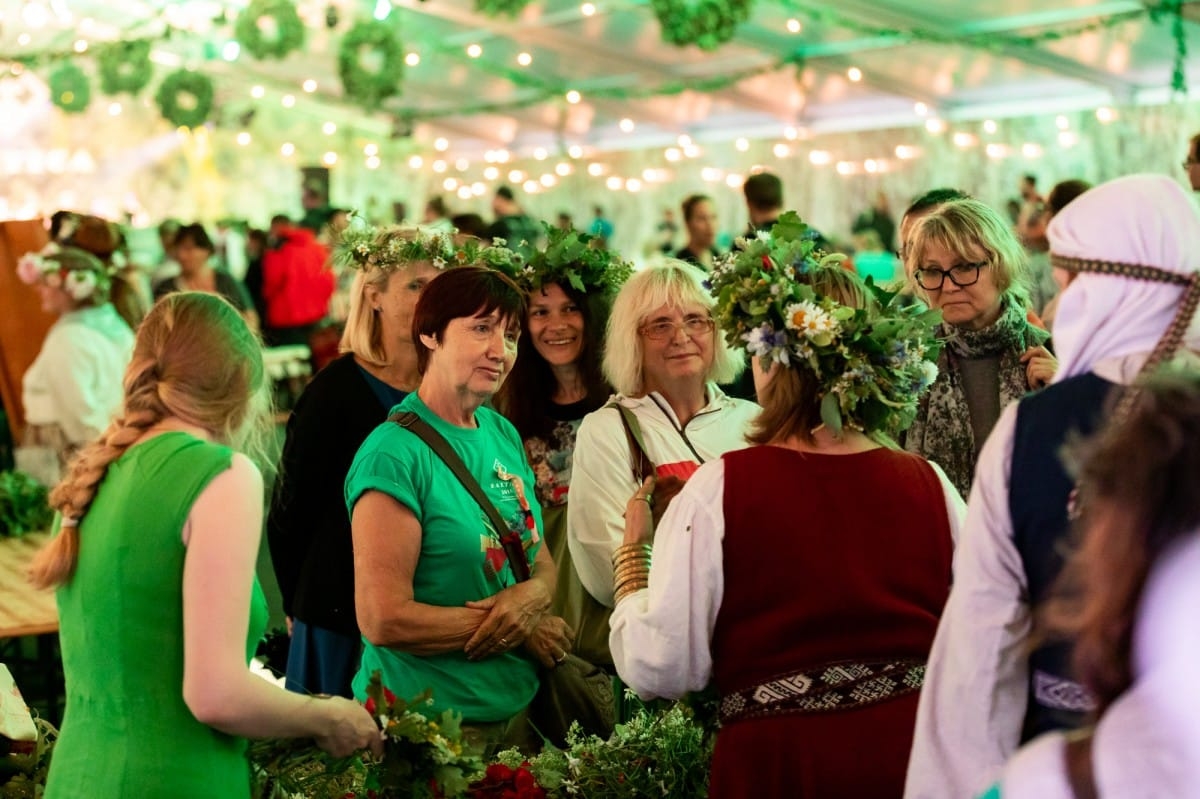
602 474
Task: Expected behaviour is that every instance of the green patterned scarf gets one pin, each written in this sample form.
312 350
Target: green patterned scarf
942 431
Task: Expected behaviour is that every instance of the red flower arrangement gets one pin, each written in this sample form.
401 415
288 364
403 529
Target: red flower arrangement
502 782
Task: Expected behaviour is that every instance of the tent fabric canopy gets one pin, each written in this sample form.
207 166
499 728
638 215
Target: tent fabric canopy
819 66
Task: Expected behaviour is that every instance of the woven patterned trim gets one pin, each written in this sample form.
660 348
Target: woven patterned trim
1135 271
1059 693
1168 345
837 686
1173 337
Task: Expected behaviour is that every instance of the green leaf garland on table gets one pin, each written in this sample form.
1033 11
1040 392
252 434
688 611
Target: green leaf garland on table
496 8
125 67
70 88
705 23
185 98
371 86
24 505
254 26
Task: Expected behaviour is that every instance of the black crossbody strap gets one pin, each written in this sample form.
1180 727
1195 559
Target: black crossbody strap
510 541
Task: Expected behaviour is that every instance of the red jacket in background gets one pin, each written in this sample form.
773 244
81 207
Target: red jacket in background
297 281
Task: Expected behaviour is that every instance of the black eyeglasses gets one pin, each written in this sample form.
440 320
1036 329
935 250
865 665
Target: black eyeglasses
665 328
962 276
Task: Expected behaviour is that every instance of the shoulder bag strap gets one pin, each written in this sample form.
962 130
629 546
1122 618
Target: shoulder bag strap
639 461
1078 756
510 541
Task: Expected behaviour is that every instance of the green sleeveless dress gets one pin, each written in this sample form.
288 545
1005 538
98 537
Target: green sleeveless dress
126 731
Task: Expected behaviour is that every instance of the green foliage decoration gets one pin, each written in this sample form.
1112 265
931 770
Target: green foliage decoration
871 363
497 8
70 88
270 29
663 752
125 67
185 98
23 505
362 84
575 259
704 23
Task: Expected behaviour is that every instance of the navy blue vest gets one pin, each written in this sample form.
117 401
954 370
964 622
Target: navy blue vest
1039 490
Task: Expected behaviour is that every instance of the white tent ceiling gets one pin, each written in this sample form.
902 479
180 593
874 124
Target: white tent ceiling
792 64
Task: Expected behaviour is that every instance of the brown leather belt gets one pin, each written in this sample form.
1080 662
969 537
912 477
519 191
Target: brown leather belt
835 686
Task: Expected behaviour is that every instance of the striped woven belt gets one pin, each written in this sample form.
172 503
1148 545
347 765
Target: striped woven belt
836 686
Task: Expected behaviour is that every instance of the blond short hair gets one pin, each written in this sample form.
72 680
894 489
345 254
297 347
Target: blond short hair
964 227
669 282
363 334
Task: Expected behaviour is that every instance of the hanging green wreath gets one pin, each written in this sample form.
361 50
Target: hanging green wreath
70 88
270 28
376 43
125 67
496 8
185 98
706 23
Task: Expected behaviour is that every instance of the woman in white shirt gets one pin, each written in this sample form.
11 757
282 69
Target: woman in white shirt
664 358
1129 597
73 388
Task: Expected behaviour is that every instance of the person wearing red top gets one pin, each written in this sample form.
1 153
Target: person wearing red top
297 284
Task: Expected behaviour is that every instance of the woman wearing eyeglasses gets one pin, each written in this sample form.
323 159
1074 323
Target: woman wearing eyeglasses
964 260
665 360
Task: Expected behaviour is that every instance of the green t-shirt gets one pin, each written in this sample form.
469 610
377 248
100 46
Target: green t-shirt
461 558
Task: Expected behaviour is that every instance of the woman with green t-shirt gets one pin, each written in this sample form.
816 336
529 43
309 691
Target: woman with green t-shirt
437 598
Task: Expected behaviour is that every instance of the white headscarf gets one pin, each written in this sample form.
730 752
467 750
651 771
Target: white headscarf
1140 219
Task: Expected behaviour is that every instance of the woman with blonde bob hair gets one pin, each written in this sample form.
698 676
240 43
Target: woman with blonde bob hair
664 359
810 611
308 528
965 261
159 608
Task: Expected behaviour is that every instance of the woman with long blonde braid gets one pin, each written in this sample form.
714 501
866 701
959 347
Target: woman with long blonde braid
154 562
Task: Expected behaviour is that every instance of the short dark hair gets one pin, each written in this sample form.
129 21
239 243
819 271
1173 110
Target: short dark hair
505 192
1030 178
196 234
459 293
280 219
763 191
1194 148
471 224
437 205
933 198
689 204
1063 193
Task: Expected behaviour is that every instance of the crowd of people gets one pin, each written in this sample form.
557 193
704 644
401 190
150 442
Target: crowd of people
532 470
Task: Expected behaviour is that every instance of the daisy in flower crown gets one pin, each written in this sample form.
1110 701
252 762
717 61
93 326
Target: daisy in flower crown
789 305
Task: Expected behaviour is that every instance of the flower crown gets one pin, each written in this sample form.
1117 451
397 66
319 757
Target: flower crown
89 279
574 259
392 248
872 363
